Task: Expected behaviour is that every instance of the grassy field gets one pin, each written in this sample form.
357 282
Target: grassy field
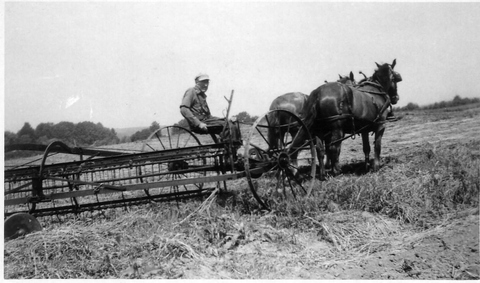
416 218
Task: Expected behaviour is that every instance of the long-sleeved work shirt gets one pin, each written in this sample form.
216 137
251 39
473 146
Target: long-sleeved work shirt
194 106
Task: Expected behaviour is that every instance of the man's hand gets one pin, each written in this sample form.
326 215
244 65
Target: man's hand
203 127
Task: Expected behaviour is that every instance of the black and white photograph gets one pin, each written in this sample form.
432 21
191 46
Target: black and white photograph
241 140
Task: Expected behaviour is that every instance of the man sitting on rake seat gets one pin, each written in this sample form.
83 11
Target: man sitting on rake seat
195 110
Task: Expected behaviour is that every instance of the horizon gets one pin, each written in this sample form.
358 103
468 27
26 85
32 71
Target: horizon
163 125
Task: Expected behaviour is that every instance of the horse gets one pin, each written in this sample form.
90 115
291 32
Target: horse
334 109
295 103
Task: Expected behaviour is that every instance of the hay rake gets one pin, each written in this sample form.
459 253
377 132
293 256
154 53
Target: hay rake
111 181
172 165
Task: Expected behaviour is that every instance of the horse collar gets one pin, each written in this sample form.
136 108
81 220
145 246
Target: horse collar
374 84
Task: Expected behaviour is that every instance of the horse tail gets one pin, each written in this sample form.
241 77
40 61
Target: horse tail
273 134
308 116
310 109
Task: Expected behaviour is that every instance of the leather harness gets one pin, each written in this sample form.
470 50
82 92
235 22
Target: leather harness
348 115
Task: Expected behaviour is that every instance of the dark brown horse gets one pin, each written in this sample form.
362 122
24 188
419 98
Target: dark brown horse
335 109
294 102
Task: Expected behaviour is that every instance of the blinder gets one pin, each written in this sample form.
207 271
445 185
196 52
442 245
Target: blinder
394 99
397 77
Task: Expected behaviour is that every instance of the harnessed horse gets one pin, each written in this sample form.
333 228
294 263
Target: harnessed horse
295 102
334 109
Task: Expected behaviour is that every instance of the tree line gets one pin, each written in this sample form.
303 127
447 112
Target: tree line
88 133
457 101
91 134
72 134
142 134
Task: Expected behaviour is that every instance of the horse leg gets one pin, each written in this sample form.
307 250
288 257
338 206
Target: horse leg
320 155
378 147
328 159
366 149
334 151
328 164
273 137
293 156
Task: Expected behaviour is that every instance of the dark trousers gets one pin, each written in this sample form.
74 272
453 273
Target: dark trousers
215 126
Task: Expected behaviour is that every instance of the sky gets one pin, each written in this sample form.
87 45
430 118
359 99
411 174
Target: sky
127 64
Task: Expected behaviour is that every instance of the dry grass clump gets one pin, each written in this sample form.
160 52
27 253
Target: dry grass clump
72 250
433 183
138 244
422 188
356 232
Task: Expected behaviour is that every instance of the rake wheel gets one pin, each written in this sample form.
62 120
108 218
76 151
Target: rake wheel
279 163
183 167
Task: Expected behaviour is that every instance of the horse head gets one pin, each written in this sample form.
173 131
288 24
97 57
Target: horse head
388 79
348 80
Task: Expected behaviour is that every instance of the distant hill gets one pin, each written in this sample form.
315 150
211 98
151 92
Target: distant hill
127 132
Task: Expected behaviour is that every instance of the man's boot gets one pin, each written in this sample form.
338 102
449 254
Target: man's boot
391 116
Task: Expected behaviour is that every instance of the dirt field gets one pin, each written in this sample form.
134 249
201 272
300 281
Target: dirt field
449 250
340 243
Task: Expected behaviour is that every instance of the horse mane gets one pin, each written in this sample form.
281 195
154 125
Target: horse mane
381 75
381 71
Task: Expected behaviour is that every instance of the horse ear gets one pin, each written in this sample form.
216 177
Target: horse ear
351 76
394 63
378 66
340 76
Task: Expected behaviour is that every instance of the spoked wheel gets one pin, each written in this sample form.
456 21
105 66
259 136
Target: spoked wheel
280 158
177 167
39 183
170 137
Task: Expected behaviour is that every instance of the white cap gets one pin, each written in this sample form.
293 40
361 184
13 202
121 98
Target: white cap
202 77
